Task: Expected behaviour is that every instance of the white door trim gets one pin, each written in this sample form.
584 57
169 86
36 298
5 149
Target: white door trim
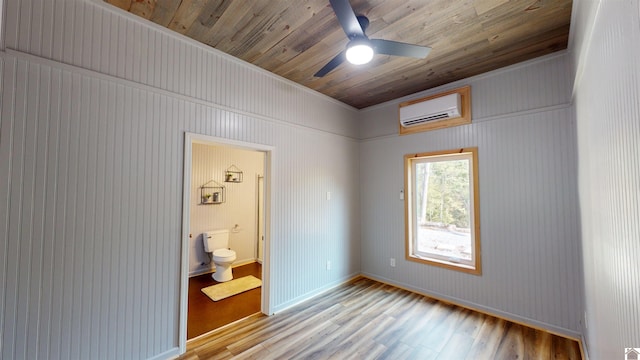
189 140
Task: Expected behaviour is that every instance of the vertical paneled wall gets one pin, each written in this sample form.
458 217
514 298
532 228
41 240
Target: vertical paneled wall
90 255
539 83
94 35
239 211
528 198
607 101
91 250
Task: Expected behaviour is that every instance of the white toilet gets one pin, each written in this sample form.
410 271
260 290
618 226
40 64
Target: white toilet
217 243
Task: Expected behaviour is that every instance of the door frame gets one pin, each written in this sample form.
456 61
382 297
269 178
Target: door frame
189 140
260 216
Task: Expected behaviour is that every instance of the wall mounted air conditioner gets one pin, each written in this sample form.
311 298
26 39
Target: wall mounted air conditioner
440 108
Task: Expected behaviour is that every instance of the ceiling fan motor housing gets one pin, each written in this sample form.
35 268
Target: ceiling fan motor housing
360 49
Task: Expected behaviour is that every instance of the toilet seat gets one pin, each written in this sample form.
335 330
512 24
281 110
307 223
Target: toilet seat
224 254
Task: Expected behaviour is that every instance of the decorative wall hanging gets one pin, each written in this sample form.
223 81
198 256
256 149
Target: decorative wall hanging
233 175
212 193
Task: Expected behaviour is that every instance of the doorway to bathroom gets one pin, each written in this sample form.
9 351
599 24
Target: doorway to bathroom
226 189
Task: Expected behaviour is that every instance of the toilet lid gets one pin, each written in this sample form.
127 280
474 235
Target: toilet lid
224 253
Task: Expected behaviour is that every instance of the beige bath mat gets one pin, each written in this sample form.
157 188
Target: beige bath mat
224 290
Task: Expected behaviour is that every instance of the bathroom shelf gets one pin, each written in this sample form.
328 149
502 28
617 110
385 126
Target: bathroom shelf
233 175
212 193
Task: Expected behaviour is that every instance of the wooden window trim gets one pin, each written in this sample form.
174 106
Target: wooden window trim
477 270
465 118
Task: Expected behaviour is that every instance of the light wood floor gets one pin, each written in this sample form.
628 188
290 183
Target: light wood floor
369 320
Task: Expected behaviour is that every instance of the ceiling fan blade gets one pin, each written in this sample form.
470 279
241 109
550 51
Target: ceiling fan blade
389 47
339 59
347 18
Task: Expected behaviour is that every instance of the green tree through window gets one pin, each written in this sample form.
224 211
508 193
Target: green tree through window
442 208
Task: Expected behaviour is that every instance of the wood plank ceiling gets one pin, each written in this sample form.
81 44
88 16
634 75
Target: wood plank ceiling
295 38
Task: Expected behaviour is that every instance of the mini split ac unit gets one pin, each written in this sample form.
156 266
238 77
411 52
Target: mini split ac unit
440 108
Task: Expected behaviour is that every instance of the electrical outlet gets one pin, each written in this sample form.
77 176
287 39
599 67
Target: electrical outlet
328 195
392 262
328 265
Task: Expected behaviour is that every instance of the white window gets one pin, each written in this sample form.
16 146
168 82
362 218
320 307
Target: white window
442 220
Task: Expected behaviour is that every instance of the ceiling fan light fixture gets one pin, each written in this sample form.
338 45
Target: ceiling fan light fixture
360 49
359 53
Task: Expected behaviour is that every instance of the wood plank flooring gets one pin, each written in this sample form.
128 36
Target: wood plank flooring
205 314
365 319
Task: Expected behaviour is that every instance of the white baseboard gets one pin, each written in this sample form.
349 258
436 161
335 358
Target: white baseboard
213 269
169 354
302 298
552 329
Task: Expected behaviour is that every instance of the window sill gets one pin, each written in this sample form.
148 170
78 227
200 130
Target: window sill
469 269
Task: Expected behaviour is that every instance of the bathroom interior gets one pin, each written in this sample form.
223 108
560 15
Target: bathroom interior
225 208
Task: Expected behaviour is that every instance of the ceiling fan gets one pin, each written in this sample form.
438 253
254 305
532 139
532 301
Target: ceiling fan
360 49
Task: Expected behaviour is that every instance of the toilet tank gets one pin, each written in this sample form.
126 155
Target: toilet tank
215 239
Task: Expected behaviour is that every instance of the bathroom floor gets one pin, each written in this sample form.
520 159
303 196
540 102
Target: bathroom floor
205 314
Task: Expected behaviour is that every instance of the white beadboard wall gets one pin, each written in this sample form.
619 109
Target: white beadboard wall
209 162
540 83
92 253
530 242
95 105
607 102
94 35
